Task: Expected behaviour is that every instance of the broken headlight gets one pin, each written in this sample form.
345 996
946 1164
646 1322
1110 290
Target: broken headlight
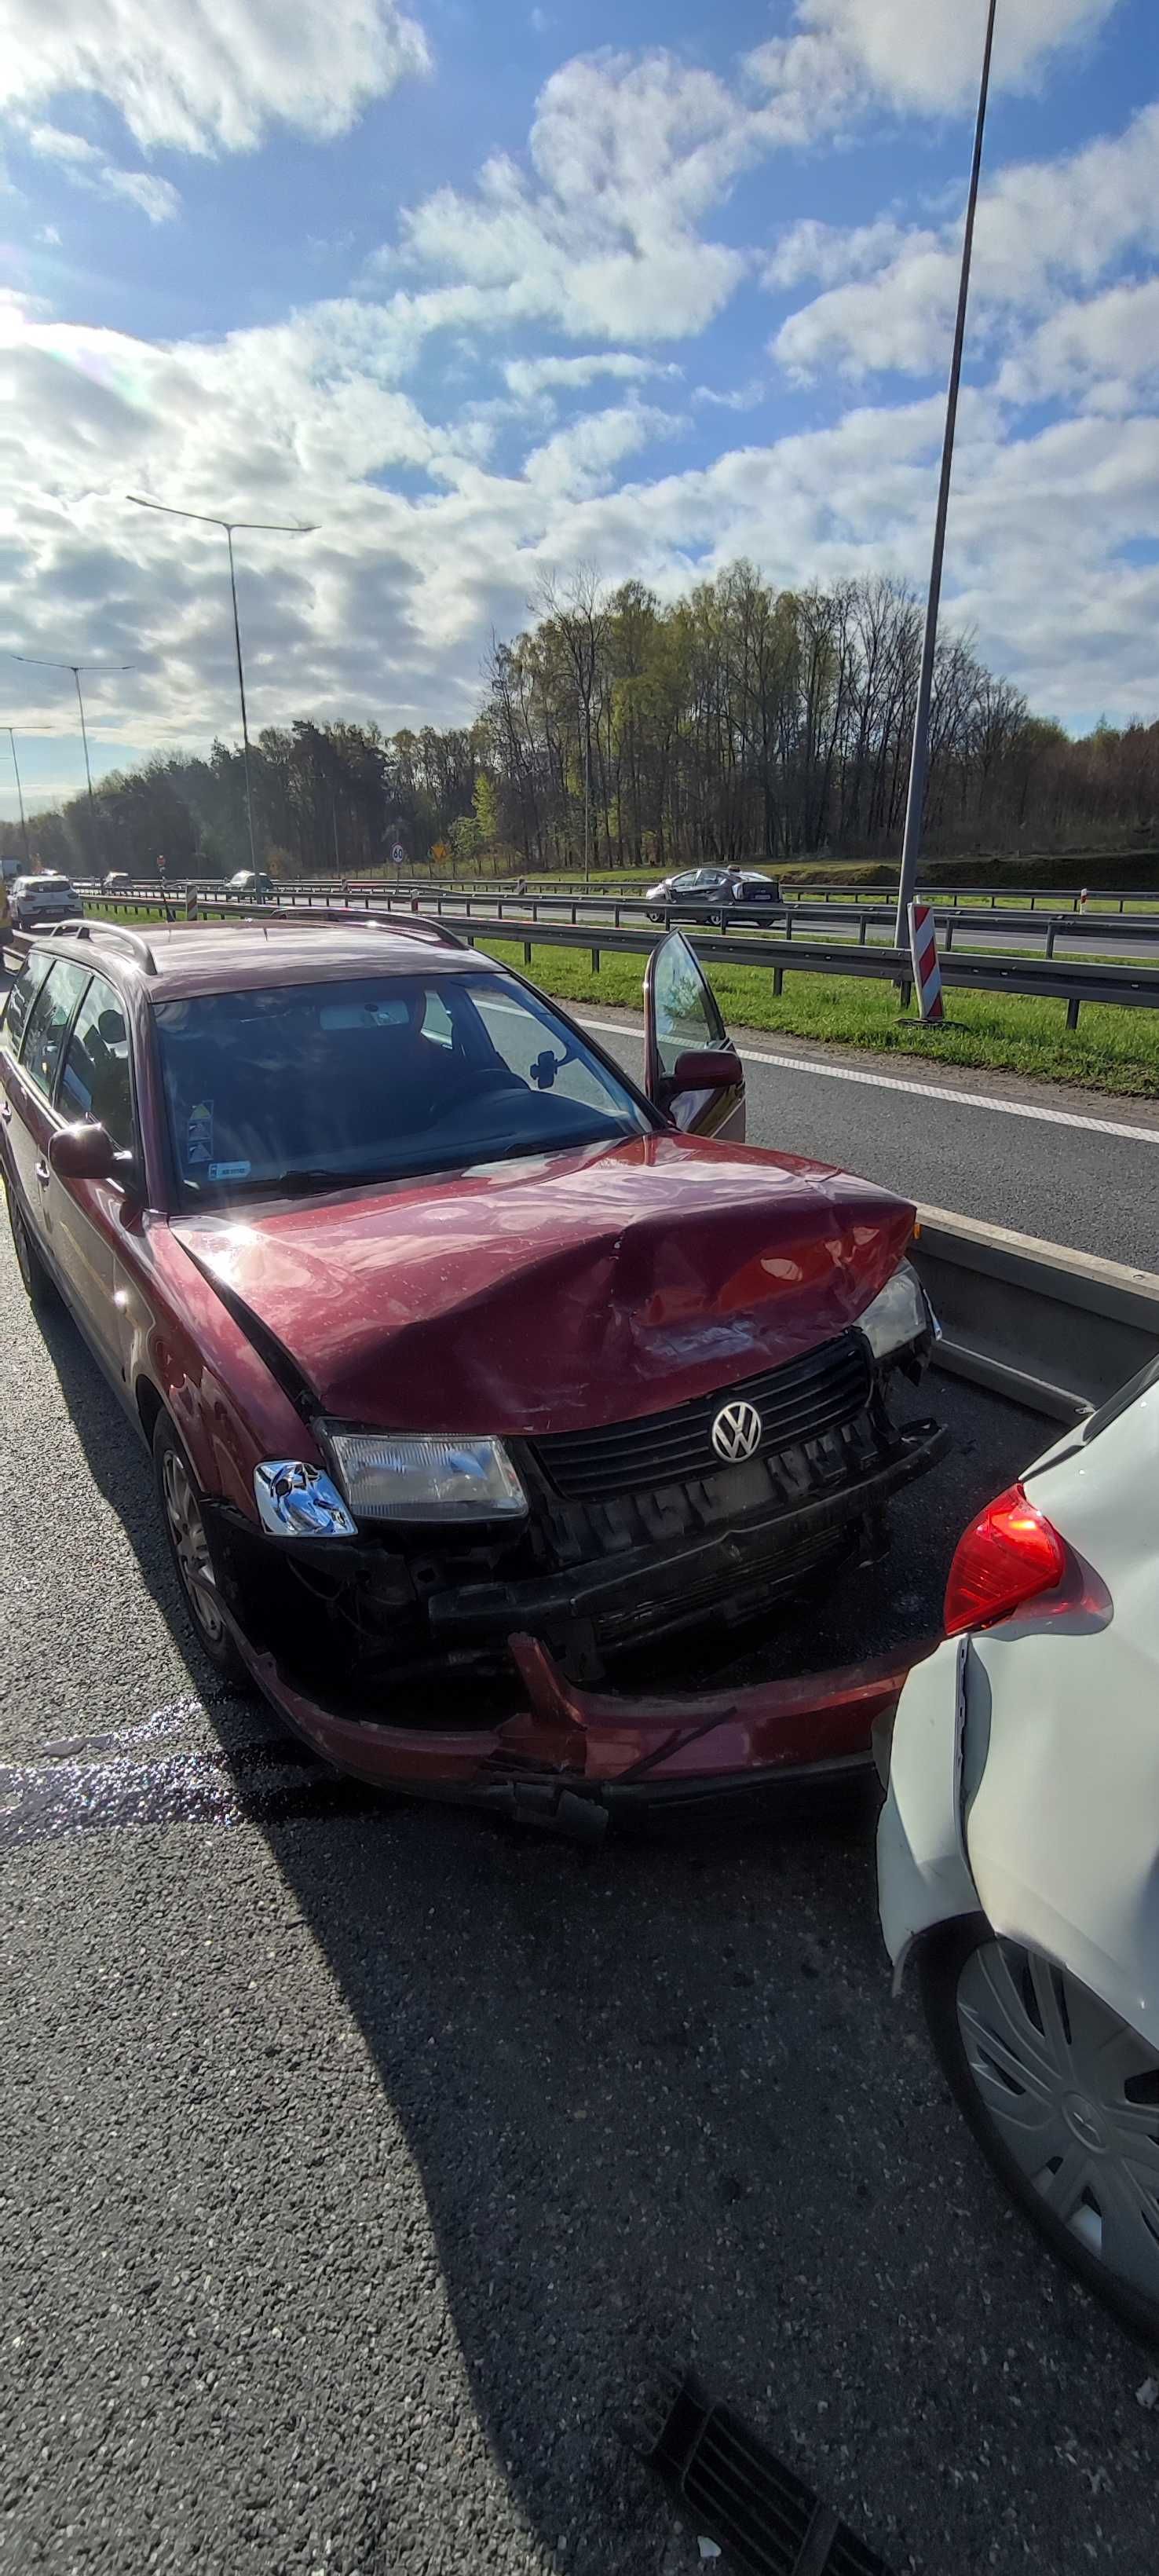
899 1316
391 1476
298 1501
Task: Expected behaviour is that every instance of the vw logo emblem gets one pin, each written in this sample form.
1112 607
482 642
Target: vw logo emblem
736 1432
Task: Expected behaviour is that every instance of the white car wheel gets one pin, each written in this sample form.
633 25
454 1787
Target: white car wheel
1064 2098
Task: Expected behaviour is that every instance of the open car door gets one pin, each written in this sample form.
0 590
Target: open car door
692 1069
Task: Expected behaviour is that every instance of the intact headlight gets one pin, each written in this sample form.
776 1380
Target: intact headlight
899 1315
391 1477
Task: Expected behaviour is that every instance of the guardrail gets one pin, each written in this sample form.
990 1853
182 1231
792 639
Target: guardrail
1051 978
1050 1328
1054 1329
498 903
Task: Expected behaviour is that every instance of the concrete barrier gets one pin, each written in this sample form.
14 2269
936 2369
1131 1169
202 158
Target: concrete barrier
1055 1329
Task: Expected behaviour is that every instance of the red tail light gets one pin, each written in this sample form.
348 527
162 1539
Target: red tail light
1008 1554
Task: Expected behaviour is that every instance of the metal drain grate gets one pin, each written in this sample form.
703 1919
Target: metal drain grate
732 2489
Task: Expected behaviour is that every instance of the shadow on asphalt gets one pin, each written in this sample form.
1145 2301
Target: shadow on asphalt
663 2107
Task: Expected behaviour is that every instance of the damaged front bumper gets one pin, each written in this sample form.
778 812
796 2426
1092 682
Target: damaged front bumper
572 1759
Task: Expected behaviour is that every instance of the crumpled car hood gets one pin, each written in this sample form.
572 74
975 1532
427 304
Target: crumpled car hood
561 1292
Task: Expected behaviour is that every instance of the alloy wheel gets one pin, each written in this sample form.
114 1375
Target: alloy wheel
1073 2095
191 1547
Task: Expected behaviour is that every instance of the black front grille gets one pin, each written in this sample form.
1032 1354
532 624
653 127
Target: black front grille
796 1402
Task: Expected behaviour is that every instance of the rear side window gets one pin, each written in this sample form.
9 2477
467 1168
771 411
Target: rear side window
21 999
48 1022
95 1082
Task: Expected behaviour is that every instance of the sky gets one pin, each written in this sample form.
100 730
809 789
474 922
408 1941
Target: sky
486 292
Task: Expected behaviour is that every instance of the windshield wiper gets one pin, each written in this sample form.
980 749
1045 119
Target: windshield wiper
304 1176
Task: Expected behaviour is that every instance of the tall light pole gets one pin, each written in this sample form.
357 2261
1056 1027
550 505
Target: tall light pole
919 761
19 795
36 664
275 527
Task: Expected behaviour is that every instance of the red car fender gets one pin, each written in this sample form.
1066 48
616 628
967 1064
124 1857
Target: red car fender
222 1397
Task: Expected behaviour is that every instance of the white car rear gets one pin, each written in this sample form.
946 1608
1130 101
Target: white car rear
37 899
1018 1849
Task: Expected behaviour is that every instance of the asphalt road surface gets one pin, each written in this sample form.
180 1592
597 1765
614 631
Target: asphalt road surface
363 2163
1068 1166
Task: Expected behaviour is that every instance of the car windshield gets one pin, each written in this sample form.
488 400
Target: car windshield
318 1086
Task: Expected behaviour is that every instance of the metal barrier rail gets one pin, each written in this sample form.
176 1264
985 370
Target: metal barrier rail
499 904
1074 982
1054 1329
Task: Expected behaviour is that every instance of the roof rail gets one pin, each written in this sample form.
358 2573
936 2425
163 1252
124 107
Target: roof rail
407 924
116 930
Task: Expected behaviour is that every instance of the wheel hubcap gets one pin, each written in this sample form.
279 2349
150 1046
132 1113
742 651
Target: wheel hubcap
1074 2096
191 1547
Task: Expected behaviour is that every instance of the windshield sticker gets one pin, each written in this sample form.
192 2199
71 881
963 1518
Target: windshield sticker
228 1171
199 1132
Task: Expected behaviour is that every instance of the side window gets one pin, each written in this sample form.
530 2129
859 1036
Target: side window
437 1023
21 999
686 1013
95 1082
48 1021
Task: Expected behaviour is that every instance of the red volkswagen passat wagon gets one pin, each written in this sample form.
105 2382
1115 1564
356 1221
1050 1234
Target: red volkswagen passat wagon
472 1374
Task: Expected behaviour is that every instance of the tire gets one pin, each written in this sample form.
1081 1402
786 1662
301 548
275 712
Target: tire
37 1284
180 1499
1086 2132
654 916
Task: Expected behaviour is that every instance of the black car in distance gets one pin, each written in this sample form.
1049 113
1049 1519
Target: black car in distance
712 895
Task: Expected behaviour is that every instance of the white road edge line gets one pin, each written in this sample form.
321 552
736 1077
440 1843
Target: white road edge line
919 1090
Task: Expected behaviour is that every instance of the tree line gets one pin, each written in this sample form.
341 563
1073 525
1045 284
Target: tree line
737 723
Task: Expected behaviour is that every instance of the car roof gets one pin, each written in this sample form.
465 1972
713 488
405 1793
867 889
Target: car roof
250 956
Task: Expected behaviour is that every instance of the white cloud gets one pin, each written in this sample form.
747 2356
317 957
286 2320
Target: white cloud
735 398
1043 227
82 165
529 378
917 53
52 143
387 610
831 253
602 238
211 74
1102 353
156 198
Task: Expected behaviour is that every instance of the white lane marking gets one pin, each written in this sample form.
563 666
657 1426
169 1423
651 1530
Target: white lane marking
919 1090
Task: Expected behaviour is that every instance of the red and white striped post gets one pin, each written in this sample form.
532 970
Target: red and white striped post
924 951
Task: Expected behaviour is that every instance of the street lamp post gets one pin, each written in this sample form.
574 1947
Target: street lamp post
35 663
919 761
19 796
276 527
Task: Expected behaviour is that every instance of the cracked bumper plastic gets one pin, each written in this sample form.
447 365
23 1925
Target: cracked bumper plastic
572 1756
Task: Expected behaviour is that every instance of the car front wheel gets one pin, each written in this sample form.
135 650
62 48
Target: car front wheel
37 1284
181 1505
1063 2098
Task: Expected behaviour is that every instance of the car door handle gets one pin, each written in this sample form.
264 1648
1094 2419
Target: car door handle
6 1112
43 1173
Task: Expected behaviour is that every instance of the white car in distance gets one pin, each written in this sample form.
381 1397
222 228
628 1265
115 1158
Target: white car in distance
1018 1848
41 898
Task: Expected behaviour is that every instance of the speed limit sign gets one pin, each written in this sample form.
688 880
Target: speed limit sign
398 855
